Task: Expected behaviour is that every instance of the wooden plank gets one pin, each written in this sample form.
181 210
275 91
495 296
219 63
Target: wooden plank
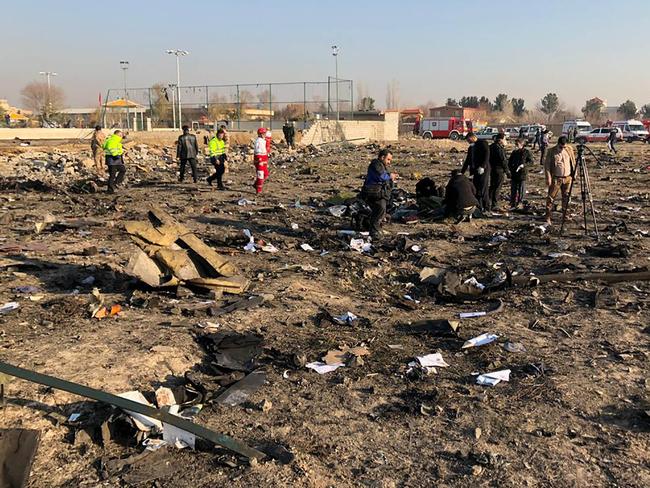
220 264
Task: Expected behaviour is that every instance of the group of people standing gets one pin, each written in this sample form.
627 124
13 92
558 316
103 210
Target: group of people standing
489 165
109 152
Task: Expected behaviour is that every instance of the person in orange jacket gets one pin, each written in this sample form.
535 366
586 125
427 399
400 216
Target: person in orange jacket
261 159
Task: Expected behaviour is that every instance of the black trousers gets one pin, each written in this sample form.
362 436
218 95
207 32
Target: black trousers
378 205
290 142
219 163
116 171
542 153
517 190
496 180
184 162
482 185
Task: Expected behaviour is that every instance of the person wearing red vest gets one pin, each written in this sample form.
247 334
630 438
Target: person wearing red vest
268 143
261 159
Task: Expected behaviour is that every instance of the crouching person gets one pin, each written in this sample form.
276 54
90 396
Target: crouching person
377 188
460 197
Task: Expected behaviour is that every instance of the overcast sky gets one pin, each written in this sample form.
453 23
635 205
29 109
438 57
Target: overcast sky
435 49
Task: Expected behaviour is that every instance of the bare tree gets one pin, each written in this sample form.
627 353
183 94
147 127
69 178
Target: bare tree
362 93
40 99
392 95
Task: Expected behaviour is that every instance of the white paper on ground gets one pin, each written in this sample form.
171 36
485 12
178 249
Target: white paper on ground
346 319
322 368
177 437
560 254
432 360
306 247
143 422
337 210
481 340
360 245
469 315
475 283
269 248
494 378
74 417
8 307
294 226
250 247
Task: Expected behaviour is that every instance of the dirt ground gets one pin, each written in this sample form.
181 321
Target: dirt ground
574 413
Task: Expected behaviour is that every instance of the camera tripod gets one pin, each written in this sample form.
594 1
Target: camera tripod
585 190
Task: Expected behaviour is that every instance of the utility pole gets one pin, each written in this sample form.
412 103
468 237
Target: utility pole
48 75
178 53
173 90
335 53
125 66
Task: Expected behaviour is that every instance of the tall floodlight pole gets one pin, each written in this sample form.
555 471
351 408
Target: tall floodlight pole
48 75
335 53
178 53
125 66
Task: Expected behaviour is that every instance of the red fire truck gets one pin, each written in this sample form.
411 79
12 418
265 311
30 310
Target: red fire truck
444 127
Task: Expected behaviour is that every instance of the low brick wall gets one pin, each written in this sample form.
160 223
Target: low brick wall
355 131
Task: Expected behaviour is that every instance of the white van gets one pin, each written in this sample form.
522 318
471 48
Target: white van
633 130
583 127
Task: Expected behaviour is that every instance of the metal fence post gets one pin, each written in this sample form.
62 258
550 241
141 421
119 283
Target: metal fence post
304 106
328 97
207 103
351 99
238 110
270 109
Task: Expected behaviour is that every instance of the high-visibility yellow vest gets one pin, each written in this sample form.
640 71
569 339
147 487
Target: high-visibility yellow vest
217 146
113 145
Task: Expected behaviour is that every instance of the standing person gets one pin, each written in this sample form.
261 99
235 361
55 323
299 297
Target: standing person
289 132
498 168
114 160
536 137
97 147
377 188
478 163
218 156
187 149
543 145
8 119
261 159
611 140
559 167
517 162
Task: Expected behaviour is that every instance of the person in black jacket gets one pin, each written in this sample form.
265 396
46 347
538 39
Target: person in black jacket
478 163
498 168
289 132
460 196
519 159
187 149
376 189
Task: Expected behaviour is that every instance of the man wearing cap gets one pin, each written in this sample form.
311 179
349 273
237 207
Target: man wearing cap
96 145
187 149
261 159
559 166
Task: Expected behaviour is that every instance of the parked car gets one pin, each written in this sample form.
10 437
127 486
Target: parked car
512 132
529 132
488 133
600 134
